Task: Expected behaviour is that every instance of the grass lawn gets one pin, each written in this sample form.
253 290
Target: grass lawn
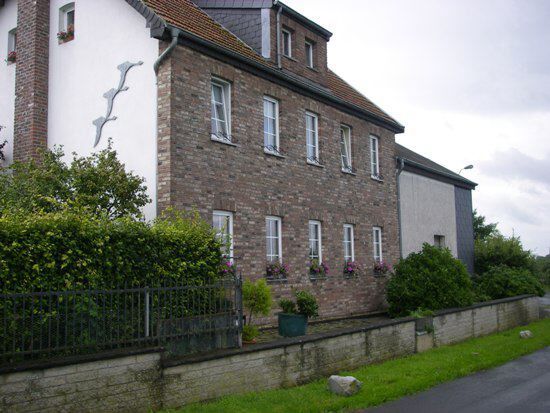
391 379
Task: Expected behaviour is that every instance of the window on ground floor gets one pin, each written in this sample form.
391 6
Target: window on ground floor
222 221
349 253
273 239
377 243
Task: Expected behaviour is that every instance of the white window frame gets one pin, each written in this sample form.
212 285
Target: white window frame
319 240
345 138
309 54
315 132
226 102
377 245
279 238
12 40
374 157
63 16
351 242
288 35
229 216
267 148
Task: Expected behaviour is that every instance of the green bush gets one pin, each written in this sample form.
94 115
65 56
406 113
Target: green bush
499 250
503 281
431 279
68 250
305 304
256 298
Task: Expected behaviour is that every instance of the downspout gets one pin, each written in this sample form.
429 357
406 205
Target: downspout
164 55
156 66
400 167
279 33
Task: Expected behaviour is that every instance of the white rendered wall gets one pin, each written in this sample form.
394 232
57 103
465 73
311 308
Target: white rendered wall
8 21
107 33
427 209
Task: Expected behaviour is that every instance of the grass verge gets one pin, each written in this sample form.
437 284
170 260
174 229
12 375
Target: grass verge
392 379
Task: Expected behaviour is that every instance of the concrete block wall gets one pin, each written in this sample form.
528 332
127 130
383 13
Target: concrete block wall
140 382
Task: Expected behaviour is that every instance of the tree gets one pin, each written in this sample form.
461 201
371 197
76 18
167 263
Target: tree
483 231
498 250
97 183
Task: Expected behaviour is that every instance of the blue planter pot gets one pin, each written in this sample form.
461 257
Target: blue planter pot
292 325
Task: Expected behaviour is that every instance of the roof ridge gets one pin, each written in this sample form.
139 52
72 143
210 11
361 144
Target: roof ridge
363 96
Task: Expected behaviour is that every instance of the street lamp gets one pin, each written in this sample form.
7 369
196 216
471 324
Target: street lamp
466 167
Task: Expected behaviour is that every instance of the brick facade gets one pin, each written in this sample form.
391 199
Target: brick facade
31 84
198 173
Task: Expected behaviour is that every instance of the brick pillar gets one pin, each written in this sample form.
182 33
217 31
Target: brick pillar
31 78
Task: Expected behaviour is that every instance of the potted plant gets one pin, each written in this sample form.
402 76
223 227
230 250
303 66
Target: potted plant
12 56
66 36
318 269
351 269
293 318
381 268
276 271
256 301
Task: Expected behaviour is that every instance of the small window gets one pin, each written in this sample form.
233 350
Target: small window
374 165
273 239
439 241
377 243
315 247
221 110
345 148
271 125
287 43
12 44
222 221
312 138
349 253
66 23
309 54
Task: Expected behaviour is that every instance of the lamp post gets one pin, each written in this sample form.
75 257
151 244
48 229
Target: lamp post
466 167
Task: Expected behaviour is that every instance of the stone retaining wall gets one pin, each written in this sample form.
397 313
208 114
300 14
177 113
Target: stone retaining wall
139 382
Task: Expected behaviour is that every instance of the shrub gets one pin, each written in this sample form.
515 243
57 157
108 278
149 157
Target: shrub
250 332
305 304
68 250
256 298
503 281
431 279
499 250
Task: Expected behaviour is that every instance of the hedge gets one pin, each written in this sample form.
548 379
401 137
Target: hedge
68 250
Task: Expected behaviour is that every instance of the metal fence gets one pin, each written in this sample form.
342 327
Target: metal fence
181 318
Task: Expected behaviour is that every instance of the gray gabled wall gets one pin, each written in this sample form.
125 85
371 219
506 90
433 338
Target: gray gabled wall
464 227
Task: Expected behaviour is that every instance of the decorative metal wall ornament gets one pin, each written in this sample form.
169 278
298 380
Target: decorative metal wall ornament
110 96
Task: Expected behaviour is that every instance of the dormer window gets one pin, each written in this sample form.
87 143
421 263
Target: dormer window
12 43
287 43
66 23
309 54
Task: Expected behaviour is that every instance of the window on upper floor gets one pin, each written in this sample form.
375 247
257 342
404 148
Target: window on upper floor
345 148
222 222
273 239
287 43
221 111
271 125
374 158
66 23
377 243
309 54
315 246
312 138
349 250
12 44
439 241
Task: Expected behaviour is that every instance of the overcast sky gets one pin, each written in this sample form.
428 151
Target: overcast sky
470 80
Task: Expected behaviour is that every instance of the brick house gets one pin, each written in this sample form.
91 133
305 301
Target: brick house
226 109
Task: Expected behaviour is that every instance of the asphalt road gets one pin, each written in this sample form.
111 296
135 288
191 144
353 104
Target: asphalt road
522 385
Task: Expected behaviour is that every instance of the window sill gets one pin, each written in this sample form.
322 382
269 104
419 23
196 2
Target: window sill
289 58
60 42
313 69
217 140
276 280
318 165
8 63
314 279
348 172
376 178
275 154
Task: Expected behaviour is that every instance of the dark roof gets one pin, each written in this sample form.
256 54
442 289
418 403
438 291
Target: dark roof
187 16
415 162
